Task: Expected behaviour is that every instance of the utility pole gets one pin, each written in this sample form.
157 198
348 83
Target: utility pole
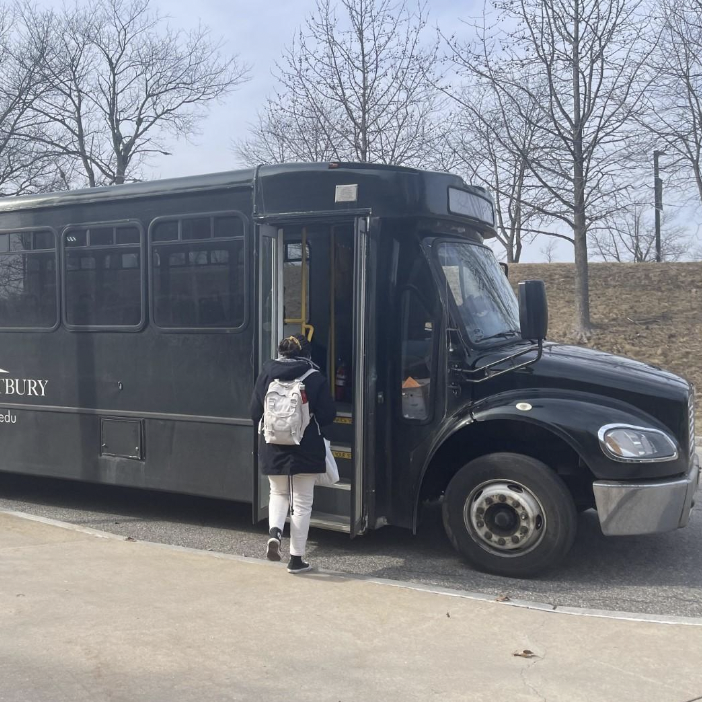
658 201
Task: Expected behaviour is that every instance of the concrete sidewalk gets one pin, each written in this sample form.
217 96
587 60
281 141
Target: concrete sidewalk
90 618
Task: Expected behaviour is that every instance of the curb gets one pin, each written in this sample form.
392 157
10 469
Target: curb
385 582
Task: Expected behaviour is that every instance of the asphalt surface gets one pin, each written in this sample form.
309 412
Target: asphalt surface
660 574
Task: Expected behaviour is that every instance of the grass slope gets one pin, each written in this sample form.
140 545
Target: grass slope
647 311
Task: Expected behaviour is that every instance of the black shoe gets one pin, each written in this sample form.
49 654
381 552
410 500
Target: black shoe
273 546
297 565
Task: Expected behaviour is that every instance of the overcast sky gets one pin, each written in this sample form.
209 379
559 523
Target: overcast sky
257 31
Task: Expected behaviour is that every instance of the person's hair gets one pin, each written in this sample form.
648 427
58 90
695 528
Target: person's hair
295 346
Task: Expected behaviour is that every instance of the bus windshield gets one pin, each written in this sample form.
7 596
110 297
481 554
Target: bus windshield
484 299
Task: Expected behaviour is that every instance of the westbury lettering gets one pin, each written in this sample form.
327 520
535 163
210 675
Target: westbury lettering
23 386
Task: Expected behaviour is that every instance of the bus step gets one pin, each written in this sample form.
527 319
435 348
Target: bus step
335 499
343 484
344 462
331 522
341 452
341 430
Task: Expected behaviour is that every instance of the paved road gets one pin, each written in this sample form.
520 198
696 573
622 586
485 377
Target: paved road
72 629
656 574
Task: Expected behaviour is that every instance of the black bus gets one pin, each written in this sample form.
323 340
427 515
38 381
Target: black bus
134 320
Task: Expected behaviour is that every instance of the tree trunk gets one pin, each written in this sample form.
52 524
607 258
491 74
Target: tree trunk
121 163
698 177
517 223
583 327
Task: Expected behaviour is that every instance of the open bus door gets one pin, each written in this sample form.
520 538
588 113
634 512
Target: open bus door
312 280
364 388
270 330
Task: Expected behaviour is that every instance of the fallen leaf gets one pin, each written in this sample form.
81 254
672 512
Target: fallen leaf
502 598
526 653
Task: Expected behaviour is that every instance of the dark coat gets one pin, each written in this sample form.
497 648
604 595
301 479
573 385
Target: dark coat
309 456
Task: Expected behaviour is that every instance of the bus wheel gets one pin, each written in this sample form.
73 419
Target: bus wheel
509 514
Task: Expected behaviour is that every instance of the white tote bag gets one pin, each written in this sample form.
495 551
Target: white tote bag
331 477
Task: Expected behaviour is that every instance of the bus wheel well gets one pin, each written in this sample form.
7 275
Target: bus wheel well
481 438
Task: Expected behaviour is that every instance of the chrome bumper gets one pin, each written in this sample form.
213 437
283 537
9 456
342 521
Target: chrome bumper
646 507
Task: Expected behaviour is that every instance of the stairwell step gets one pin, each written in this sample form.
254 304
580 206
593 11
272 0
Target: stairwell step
343 454
333 522
341 485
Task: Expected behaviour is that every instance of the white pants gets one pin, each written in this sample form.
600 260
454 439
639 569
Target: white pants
303 494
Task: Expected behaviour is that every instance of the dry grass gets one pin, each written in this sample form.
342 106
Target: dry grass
651 312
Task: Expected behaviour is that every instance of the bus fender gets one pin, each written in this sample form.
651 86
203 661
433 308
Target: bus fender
574 418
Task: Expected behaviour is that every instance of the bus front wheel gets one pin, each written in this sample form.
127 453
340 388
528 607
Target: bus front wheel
509 514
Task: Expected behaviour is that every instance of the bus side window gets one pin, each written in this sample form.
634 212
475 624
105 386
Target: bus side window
103 275
28 289
198 272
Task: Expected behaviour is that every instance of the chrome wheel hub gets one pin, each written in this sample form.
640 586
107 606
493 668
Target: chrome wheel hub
504 517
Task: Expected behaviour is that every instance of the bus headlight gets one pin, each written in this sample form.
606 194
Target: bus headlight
624 442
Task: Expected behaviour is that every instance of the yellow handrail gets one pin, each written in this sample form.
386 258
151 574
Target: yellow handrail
305 328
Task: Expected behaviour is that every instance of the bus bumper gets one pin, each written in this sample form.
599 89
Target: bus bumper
650 507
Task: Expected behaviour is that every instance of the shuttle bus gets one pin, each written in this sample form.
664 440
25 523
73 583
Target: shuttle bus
134 320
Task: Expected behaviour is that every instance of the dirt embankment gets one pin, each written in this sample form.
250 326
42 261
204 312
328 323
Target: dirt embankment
648 311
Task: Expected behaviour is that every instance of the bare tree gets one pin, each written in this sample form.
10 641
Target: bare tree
286 135
631 237
495 154
25 164
548 250
587 54
355 85
674 100
122 82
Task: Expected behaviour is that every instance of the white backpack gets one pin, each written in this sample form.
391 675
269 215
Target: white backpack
286 411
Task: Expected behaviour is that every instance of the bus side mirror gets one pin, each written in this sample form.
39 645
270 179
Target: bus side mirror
505 269
533 309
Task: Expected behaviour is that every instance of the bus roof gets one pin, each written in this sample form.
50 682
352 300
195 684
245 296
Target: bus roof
213 181
386 191
305 188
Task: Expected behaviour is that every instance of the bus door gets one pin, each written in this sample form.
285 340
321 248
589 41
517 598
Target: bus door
311 282
270 297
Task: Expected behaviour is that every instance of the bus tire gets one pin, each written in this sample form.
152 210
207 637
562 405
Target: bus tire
509 514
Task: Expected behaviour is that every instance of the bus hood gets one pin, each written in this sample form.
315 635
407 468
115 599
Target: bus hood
578 364
656 392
